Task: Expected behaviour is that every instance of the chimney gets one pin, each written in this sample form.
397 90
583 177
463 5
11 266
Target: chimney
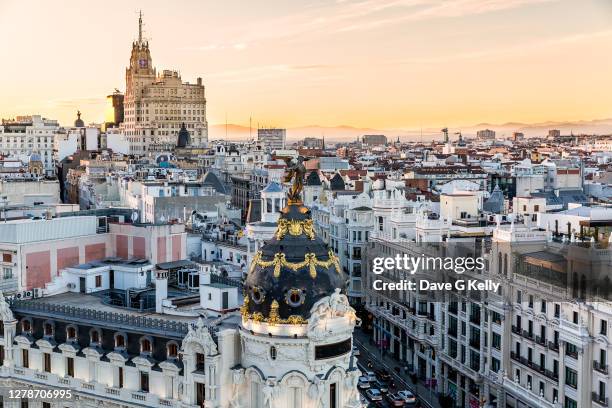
199 81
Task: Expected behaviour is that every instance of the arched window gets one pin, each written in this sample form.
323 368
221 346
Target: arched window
172 350
94 336
26 326
145 345
71 333
119 340
48 329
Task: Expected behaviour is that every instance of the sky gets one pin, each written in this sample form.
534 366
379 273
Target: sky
386 64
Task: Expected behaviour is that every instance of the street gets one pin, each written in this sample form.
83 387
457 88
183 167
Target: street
368 352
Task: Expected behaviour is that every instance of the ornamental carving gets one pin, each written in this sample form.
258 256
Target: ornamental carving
310 261
295 228
200 335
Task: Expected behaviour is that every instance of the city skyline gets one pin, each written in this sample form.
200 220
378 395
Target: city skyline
388 64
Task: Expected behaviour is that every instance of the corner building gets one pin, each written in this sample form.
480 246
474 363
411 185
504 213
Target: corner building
289 346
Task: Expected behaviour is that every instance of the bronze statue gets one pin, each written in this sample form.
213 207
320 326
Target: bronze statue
296 171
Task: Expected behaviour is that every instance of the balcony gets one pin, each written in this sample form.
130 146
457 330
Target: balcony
528 335
599 399
572 354
541 340
600 367
552 375
516 330
553 346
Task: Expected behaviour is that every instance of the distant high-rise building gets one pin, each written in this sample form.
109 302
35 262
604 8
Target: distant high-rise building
516 136
486 134
553 133
114 109
274 138
313 142
156 106
374 140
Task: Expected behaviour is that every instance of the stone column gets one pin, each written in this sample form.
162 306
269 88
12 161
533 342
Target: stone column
10 328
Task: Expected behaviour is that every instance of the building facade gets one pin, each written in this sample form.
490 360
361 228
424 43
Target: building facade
156 105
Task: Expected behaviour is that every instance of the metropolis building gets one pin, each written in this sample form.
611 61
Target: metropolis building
156 105
288 345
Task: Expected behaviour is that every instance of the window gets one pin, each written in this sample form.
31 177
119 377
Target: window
199 362
144 381
120 376
8 273
570 403
603 327
496 341
333 397
119 341
543 306
519 296
71 333
273 353
26 326
575 317
98 281
25 358
70 366
7 257
94 336
145 346
172 350
571 377
48 329
531 301
47 362
557 310
495 365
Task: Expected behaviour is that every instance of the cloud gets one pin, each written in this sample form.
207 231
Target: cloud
76 102
441 9
511 51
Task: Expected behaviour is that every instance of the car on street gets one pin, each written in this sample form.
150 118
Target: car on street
364 383
395 400
383 374
381 385
370 375
409 398
374 394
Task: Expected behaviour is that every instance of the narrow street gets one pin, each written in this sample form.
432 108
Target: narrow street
402 382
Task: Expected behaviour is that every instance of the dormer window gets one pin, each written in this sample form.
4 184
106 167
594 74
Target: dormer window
145 345
71 333
172 350
94 336
48 330
119 341
26 326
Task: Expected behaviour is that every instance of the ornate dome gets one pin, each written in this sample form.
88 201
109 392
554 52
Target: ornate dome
291 272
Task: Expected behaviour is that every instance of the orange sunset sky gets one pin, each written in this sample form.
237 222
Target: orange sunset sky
370 63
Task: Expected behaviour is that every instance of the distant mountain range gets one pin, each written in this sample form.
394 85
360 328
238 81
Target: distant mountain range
346 133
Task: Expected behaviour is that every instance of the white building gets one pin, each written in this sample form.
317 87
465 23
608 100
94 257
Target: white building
28 136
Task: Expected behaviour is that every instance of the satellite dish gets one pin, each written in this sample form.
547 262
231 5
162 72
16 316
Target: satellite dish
134 216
